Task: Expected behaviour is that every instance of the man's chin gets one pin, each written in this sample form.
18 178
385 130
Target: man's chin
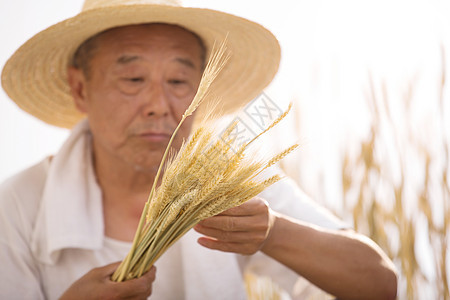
146 169
148 160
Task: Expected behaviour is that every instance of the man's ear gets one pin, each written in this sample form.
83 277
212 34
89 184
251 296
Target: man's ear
77 83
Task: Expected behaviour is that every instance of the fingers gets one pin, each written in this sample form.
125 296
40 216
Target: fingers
243 229
255 211
253 206
241 248
243 242
250 216
138 288
253 236
150 276
96 284
107 270
233 223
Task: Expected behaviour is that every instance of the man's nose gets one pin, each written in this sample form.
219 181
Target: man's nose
156 101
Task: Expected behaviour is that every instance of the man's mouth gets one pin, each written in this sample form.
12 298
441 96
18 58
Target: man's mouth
155 136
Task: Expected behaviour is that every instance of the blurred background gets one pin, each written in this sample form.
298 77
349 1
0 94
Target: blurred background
370 85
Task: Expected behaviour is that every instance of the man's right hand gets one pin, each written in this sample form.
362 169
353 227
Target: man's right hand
97 284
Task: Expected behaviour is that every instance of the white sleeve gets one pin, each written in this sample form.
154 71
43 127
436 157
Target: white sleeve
287 198
19 273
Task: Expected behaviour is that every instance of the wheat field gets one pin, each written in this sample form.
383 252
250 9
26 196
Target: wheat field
395 182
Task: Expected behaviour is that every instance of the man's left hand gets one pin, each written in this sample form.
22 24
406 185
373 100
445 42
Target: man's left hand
243 229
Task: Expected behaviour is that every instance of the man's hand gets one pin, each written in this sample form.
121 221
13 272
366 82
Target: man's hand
243 229
96 284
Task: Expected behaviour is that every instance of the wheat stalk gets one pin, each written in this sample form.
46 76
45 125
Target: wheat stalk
259 288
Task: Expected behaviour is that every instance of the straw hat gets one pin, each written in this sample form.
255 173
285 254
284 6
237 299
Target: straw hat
35 76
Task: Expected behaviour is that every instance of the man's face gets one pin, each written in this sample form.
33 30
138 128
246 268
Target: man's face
141 80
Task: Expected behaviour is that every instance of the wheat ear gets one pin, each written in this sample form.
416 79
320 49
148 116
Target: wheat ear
217 61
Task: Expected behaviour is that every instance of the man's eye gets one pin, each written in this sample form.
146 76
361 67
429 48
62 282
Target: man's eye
135 79
176 81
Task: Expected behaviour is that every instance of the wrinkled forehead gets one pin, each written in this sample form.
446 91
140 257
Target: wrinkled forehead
127 35
169 30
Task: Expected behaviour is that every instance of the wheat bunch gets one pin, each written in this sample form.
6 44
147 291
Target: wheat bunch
205 178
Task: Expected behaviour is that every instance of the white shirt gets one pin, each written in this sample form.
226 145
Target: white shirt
52 233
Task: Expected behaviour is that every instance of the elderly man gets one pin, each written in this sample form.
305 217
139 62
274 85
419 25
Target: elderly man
133 69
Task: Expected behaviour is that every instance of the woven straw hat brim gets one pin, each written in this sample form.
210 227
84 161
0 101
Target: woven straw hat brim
35 76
